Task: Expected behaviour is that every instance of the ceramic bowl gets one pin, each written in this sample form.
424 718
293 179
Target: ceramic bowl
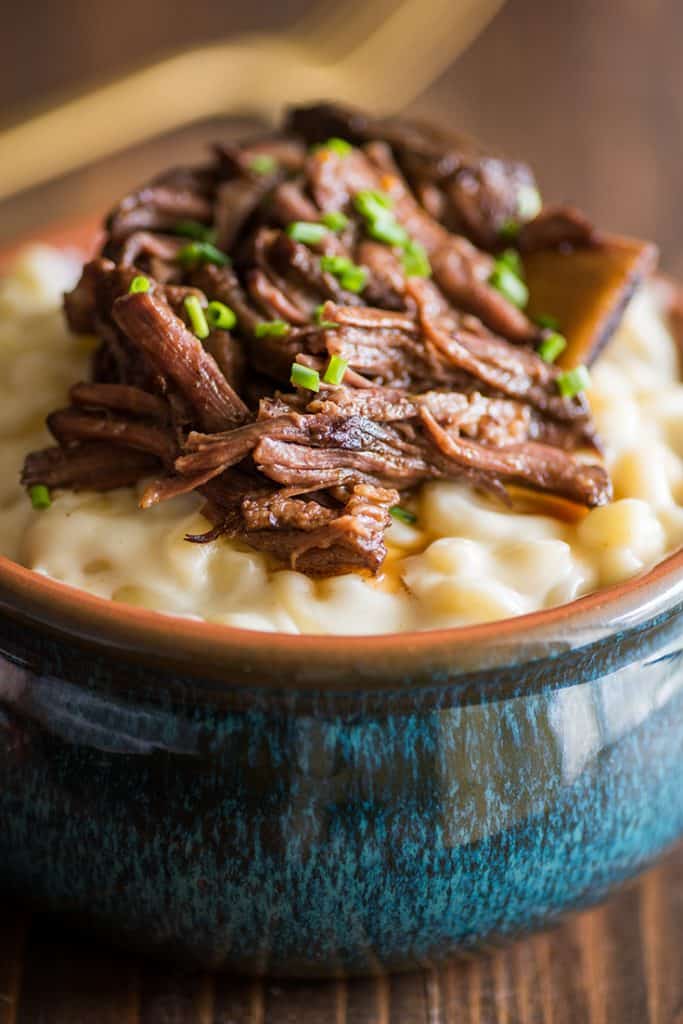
299 805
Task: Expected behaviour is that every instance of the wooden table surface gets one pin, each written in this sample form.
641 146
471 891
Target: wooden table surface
604 130
621 963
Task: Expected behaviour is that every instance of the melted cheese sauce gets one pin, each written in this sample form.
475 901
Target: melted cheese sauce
469 561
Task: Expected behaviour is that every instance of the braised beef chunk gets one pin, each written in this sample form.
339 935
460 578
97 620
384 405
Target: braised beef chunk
310 537
312 325
556 227
91 466
150 324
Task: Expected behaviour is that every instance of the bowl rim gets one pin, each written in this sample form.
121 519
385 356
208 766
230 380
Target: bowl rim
340 661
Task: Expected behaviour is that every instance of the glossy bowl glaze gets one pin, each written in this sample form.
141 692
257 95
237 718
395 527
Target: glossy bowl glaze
300 805
311 805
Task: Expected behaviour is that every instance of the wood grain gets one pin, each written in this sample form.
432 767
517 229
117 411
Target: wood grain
621 963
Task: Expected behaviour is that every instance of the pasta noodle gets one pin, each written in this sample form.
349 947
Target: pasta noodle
467 560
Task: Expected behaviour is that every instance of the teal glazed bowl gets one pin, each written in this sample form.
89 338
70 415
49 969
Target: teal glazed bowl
315 805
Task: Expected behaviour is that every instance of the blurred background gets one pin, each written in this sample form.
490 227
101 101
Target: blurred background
588 91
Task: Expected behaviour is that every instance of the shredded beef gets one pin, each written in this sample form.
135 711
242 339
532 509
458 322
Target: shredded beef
160 334
441 379
475 192
94 466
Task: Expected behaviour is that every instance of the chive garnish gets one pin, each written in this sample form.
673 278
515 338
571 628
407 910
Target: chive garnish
307 232
195 230
138 285
263 163
547 321
552 346
511 259
352 277
335 220
336 368
380 223
415 260
509 285
335 264
305 377
339 146
196 317
403 515
40 496
573 382
271 329
220 316
371 203
529 202
509 229
195 253
388 230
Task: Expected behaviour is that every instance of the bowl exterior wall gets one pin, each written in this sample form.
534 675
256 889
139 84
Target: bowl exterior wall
291 836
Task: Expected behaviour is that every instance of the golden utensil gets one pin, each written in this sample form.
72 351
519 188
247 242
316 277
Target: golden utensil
380 54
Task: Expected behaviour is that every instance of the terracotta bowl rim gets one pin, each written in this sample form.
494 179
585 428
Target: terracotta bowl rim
346 661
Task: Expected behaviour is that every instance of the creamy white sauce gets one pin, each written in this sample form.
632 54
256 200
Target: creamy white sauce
470 561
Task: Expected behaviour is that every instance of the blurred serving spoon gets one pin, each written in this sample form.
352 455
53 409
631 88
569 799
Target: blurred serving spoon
380 54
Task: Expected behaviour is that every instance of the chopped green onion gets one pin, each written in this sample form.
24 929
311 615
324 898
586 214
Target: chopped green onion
336 265
550 322
138 285
371 203
375 207
354 279
321 322
573 382
403 515
305 377
40 496
552 346
307 232
416 260
271 329
386 229
220 316
196 316
511 259
351 276
263 163
336 368
195 253
339 146
193 229
509 285
509 229
335 220
529 202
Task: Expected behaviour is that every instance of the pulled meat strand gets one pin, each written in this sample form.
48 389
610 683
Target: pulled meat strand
119 398
441 380
93 465
306 536
67 425
149 324
539 465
